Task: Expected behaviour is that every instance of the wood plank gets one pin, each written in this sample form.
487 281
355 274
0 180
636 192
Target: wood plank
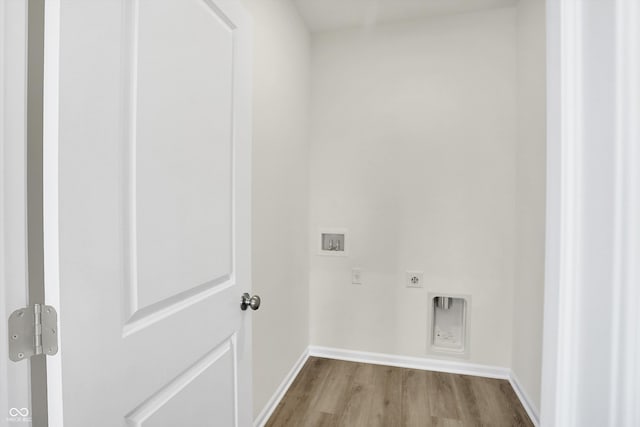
488 409
442 398
513 407
415 399
445 422
331 394
358 405
364 373
386 405
495 406
466 399
294 407
320 419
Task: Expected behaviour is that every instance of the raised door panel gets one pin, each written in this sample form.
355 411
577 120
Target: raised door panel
203 395
181 148
179 128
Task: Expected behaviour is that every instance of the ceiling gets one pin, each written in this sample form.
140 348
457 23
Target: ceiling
323 15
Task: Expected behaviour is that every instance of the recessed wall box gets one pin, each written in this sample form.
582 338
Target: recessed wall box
448 329
333 241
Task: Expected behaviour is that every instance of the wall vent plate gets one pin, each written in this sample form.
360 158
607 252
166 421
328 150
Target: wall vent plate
333 242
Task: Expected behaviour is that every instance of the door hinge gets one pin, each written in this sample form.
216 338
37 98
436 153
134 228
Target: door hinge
33 330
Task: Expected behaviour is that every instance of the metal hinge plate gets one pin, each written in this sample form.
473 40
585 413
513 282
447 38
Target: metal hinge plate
33 330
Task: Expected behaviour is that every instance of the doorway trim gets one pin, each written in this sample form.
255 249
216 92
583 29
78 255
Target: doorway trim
593 214
50 198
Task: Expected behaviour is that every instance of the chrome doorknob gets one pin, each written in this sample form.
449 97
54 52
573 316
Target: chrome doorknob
249 301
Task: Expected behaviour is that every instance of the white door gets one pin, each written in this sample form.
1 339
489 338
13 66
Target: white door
147 212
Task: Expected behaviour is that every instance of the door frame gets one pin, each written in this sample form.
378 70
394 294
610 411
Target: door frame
593 94
21 83
50 99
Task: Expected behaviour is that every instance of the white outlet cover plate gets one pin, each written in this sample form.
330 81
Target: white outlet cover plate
356 276
415 279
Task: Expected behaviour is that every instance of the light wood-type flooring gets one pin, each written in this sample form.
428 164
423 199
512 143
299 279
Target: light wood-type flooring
331 392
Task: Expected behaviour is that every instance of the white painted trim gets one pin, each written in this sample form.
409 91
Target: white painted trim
564 113
625 339
592 115
423 363
50 199
570 182
4 369
527 403
272 404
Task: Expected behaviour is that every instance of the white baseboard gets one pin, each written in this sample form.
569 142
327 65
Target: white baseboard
532 411
449 366
427 364
272 404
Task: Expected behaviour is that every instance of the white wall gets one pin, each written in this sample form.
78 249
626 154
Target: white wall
413 150
530 198
280 192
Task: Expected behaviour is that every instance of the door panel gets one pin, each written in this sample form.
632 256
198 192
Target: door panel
181 147
191 398
152 205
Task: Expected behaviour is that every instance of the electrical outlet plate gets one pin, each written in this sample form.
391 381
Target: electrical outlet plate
356 276
415 279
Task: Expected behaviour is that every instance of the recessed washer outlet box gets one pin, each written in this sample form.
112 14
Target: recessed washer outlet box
448 324
332 241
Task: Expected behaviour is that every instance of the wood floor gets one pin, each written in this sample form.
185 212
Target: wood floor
331 392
